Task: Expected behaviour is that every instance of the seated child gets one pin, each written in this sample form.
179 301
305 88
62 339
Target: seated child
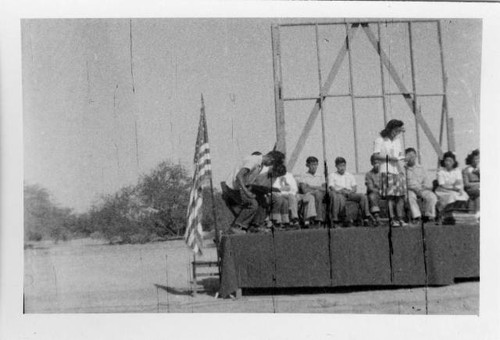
372 182
311 193
271 203
343 188
288 191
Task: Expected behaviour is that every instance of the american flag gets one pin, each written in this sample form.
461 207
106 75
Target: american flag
202 174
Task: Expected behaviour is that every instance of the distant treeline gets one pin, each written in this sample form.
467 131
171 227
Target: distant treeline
155 209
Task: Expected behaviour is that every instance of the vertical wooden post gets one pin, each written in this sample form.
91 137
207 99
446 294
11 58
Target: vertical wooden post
353 101
194 288
413 83
444 111
323 135
384 103
278 90
216 229
321 95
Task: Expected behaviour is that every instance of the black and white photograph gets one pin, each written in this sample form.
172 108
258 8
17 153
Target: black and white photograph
302 165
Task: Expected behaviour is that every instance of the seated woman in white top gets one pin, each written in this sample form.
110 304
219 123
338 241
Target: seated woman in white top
288 190
450 183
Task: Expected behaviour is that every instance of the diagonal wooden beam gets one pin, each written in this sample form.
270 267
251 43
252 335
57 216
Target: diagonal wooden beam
323 91
402 88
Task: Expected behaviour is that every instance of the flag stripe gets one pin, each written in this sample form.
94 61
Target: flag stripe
205 159
202 173
203 148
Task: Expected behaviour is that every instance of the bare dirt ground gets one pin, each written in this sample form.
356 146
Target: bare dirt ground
88 276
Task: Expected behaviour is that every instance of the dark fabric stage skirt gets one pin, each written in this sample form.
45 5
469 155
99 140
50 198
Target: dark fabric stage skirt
350 257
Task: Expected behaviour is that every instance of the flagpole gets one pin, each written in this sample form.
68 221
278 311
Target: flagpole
214 210
215 214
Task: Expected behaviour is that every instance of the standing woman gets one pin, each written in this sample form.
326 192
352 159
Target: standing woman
388 150
450 183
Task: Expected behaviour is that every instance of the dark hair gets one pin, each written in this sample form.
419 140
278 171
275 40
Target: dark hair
256 153
408 150
340 160
449 154
311 159
278 170
277 156
372 159
391 125
470 157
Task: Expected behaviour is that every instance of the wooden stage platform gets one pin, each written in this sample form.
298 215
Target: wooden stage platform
356 256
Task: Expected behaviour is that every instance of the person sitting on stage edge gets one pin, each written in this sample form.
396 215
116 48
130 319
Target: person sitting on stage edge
288 191
450 190
387 149
471 179
237 193
271 203
419 187
312 192
343 188
372 182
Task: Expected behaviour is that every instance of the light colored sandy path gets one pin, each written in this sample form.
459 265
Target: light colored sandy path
86 276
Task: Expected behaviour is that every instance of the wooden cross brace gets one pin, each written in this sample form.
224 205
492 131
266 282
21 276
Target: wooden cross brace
407 95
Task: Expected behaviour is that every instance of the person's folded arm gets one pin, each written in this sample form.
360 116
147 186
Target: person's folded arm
382 157
240 178
370 186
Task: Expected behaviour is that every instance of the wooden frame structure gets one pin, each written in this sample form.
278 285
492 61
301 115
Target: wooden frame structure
410 96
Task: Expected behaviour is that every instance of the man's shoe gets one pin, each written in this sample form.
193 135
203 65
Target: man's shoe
258 229
402 223
348 224
395 224
370 221
253 230
294 225
235 231
279 227
316 225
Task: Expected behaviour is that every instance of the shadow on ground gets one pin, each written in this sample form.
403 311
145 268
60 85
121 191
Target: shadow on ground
209 286
330 290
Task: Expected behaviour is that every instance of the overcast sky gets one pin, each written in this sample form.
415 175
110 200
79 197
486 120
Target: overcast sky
88 88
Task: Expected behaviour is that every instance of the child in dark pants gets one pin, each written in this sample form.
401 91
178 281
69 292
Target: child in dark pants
343 185
372 182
